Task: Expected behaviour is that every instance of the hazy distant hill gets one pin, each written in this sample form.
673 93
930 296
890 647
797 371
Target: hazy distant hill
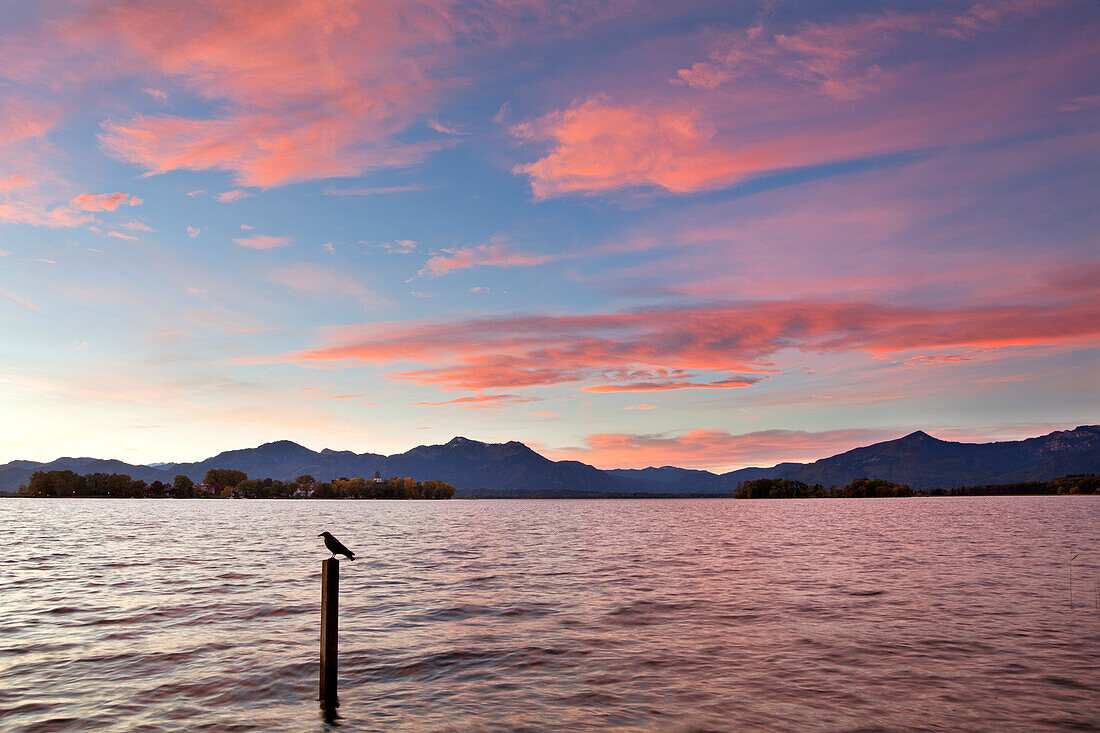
284 460
673 480
18 472
669 479
494 469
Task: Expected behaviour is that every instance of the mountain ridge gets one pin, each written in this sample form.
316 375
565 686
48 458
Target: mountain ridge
512 468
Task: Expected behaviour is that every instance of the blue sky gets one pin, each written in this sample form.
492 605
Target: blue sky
717 235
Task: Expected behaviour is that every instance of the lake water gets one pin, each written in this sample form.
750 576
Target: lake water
948 614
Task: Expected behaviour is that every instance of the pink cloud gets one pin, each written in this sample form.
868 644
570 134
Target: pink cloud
375 191
486 255
641 407
24 119
30 193
14 181
21 211
769 101
896 234
10 297
263 241
228 197
120 235
324 281
613 350
835 58
104 201
843 59
730 383
295 91
333 396
1078 104
598 145
303 91
445 128
400 246
716 448
479 401
28 206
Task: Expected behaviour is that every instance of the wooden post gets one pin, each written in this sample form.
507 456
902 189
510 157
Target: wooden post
330 602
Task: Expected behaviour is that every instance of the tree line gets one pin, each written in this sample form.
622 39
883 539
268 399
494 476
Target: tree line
774 488
227 483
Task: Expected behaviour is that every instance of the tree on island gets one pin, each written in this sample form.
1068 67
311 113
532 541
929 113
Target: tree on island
775 488
223 478
183 487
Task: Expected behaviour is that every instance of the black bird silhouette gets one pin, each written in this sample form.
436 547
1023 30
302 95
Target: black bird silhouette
335 547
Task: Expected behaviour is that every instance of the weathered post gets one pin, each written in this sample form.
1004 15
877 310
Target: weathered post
330 602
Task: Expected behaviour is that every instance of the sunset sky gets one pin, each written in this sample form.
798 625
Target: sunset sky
711 234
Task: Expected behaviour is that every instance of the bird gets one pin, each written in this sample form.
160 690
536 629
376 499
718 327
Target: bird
335 547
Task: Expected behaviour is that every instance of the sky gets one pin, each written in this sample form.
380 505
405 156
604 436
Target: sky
707 234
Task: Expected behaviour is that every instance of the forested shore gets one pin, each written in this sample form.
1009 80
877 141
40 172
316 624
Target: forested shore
223 483
773 488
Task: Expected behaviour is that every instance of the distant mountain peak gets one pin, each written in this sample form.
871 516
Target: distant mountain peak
283 445
459 440
919 435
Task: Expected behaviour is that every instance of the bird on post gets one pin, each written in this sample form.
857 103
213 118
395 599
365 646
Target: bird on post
335 547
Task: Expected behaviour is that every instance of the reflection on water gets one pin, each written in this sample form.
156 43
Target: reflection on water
653 615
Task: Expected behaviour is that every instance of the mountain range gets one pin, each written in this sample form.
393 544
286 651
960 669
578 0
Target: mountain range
512 469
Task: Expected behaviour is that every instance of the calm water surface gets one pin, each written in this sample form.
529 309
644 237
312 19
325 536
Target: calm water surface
653 615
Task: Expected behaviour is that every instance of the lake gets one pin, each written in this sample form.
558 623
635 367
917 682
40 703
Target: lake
948 614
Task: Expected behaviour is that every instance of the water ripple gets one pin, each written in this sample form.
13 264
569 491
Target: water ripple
674 616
